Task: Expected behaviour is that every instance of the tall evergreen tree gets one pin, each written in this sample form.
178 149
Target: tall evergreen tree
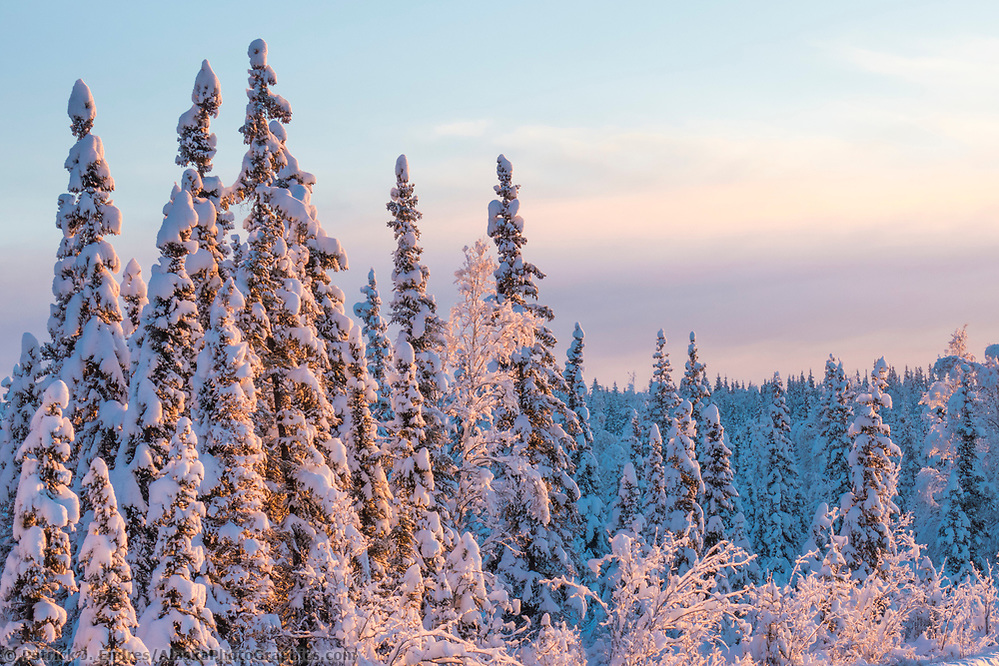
196 139
38 571
22 399
105 629
869 510
834 441
89 350
656 504
663 396
626 512
685 517
695 387
976 502
237 533
415 311
177 623
956 535
378 349
720 497
540 514
778 500
135 294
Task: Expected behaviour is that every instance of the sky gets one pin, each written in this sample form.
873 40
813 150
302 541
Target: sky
787 179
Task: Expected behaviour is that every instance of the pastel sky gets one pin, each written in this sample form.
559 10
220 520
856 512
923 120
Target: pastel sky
787 179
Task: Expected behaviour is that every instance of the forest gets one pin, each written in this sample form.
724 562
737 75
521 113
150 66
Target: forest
236 463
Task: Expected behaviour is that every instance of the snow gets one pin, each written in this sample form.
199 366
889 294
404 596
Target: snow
258 54
402 169
81 103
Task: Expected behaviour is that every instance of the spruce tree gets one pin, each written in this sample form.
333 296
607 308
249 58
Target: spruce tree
134 293
88 347
105 629
720 497
778 495
956 533
197 141
695 387
976 503
21 401
162 380
415 311
834 423
378 349
663 396
656 504
177 626
237 533
684 517
869 509
626 512
540 514
38 573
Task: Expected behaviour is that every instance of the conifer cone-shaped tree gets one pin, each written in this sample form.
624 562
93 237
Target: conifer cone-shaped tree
695 387
834 423
419 541
720 497
955 536
177 623
685 517
38 571
135 294
415 311
89 350
635 444
976 502
21 400
656 503
196 139
778 496
626 512
540 514
237 533
105 629
576 384
663 396
372 494
162 380
378 349
869 509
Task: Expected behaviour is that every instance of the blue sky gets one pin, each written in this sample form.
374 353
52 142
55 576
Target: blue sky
788 179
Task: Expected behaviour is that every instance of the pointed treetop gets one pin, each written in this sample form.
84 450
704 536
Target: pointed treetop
578 332
207 89
258 54
503 166
82 109
402 169
692 338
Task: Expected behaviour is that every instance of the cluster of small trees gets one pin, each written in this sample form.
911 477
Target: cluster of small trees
223 464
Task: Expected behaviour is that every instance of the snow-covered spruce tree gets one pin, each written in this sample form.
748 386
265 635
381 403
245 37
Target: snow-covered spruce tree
237 532
976 503
663 396
105 629
684 517
177 626
955 536
373 495
626 512
695 387
88 348
161 384
869 509
415 311
635 442
833 442
482 336
418 538
38 572
778 491
540 509
378 349
720 497
656 504
135 295
21 400
294 417
196 139
590 506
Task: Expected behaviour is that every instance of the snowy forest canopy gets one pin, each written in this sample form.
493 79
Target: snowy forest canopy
228 465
